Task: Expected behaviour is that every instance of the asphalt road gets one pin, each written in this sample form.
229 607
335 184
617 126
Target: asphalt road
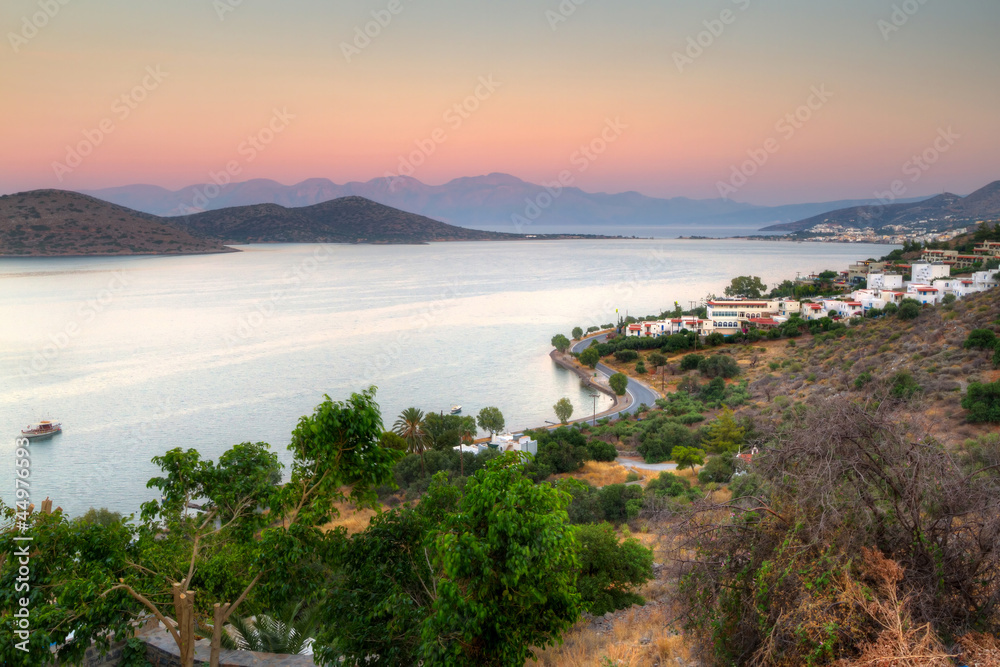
639 392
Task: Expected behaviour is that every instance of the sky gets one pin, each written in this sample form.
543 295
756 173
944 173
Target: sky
762 101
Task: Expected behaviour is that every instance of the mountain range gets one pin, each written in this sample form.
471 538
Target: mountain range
941 212
497 202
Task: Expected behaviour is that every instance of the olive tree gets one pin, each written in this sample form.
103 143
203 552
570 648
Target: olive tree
563 409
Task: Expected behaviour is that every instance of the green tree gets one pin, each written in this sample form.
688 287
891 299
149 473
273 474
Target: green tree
982 400
657 360
718 366
577 333
909 309
981 339
410 427
564 410
610 570
688 457
560 342
749 287
392 440
491 419
590 357
507 571
618 383
725 436
690 361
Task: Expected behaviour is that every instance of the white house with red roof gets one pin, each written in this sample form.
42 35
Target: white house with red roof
925 294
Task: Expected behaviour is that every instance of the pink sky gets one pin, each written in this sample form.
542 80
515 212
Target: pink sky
555 85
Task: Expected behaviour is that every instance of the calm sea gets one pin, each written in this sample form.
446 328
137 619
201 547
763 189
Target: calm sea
136 356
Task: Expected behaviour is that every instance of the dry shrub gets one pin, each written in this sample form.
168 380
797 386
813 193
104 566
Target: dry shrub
763 579
352 519
600 473
901 643
979 650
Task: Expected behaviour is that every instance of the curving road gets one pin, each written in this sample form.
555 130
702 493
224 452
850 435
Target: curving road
639 392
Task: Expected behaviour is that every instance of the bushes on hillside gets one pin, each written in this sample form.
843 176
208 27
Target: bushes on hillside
718 365
850 484
626 355
982 400
689 362
610 570
718 469
657 444
980 339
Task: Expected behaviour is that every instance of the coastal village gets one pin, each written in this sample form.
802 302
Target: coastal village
878 284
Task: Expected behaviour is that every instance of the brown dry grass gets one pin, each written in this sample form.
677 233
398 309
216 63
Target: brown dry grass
600 473
622 645
353 519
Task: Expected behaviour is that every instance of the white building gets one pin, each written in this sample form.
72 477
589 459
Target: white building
879 281
507 442
924 273
925 294
730 316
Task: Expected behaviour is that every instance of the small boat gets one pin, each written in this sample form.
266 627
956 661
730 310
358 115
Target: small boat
456 409
43 429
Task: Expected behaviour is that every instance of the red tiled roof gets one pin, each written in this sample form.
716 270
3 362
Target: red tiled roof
634 327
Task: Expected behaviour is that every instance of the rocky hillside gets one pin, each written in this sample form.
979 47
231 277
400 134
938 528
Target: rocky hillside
56 222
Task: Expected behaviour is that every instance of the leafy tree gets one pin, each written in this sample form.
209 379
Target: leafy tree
688 457
621 502
563 409
626 355
618 383
949 299
640 368
391 440
719 469
657 444
410 427
560 342
749 287
590 357
577 333
981 339
601 451
384 592
982 400
610 570
561 450
444 432
718 366
909 309
724 435
491 419
593 329
657 360
714 339
690 362
506 564
671 485
101 517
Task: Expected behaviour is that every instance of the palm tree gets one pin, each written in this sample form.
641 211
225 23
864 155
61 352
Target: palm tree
289 631
410 427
